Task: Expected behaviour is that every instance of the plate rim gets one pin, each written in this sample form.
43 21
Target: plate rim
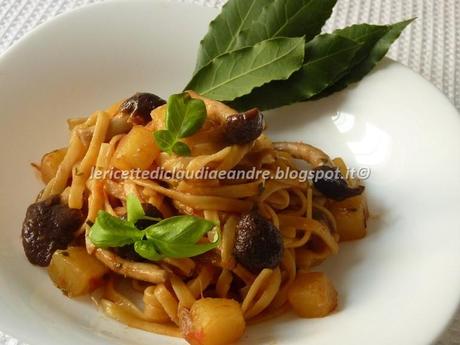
11 50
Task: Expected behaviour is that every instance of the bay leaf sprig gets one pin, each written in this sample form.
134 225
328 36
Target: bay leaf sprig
175 237
184 117
331 62
237 73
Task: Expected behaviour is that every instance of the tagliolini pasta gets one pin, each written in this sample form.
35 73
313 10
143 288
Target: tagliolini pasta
207 299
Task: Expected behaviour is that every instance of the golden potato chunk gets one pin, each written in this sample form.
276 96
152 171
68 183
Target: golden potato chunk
158 118
214 321
136 150
351 216
312 295
50 163
76 272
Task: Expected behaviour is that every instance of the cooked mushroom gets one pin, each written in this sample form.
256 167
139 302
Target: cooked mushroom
119 124
48 226
147 272
128 253
308 153
244 127
139 107
328 179
330 182
151 212
258 243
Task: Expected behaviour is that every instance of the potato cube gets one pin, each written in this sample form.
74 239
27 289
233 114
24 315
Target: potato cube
158 118
312 295
136 150
215 321
350 215
76 272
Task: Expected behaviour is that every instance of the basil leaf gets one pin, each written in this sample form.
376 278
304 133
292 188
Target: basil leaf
174 237
288 18
164 139
236 15
181 149
147 250
237 73
134 208
372 53
181 229
328 56
177 249
183 250
185 115
110 231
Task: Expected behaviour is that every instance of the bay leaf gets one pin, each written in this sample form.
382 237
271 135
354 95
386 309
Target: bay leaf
236 16
376 41
237 73
288 18
328 56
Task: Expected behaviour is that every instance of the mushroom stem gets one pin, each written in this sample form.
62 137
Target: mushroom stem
141 271
308 153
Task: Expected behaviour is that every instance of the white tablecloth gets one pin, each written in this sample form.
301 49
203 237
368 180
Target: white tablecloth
431 47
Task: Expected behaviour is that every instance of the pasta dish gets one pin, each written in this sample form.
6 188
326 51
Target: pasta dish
183 256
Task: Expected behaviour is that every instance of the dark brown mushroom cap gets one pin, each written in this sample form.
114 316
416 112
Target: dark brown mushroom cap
258 243
330 182
150 211
140 106
128 253
48 226
244 127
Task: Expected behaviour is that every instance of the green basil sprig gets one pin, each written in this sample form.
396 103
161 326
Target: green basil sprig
175 237
184 117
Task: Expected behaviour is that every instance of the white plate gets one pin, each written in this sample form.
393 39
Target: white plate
400 285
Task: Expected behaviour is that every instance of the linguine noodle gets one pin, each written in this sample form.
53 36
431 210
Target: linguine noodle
306 222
